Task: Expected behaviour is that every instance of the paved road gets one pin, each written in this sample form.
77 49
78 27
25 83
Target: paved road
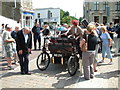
56 76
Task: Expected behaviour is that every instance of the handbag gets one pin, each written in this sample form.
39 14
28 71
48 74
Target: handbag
83 45
111 41
100 40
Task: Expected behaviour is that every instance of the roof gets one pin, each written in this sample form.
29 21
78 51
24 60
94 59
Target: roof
45 8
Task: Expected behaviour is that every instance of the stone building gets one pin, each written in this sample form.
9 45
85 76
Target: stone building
102 12
10 10
18 10
0 8
27 13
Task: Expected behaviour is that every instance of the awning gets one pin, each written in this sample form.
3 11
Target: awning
117 17
27 13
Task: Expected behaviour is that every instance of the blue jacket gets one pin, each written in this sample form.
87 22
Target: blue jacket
13 34
118 32
36 30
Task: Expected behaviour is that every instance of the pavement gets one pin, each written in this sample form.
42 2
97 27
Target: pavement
56 76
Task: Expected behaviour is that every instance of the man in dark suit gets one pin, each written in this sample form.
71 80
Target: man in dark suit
118 39
24 45
36 31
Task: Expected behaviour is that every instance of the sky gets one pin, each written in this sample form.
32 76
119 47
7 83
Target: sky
74 7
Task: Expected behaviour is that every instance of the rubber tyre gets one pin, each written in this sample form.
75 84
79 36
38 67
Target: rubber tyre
45 58
72 65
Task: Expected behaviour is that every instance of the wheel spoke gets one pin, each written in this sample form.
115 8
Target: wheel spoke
43 61
72 65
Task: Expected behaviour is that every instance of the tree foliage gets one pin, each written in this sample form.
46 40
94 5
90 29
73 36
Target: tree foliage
80 19
66 13
65 17
61 14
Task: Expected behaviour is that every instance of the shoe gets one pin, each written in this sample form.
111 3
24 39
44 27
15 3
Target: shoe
28 73
87 78
16 64
110 63
3 57
22 73
95 70
10 68
115 54
91 77
39 47
101 61
119 51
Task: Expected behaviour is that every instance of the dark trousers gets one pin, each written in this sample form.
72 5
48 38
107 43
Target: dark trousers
24 61
37 37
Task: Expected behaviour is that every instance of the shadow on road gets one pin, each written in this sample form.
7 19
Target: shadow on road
60 72
54 70
9 74
108 75
103 64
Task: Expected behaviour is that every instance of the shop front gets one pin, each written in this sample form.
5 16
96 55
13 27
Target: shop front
27 19
117 19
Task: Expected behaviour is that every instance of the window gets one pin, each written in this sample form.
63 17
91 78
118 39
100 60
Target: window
38 15
50 14
104 20
96 19
28 21
23 17
117 19
118 6
96 5
105 5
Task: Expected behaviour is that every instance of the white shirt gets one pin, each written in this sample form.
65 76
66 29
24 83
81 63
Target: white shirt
75 30
96 34
25 36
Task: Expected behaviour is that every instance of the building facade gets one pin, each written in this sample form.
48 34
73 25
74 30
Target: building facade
102 12
10 10
47 16
18 10
0 8
27 13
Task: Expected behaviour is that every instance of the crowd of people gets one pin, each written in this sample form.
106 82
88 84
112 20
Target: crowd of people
98 38
17 44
